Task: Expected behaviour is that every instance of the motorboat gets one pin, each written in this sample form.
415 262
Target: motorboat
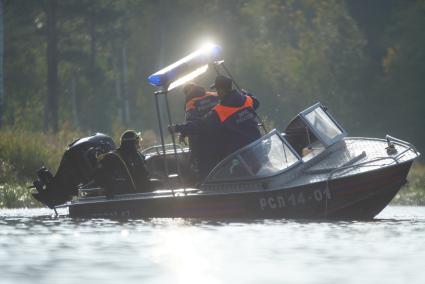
311 170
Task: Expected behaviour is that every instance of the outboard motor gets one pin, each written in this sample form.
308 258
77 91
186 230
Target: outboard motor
76 168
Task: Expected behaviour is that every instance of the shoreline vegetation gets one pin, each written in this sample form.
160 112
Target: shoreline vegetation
23 152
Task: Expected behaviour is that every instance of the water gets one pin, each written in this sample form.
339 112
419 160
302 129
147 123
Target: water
35 247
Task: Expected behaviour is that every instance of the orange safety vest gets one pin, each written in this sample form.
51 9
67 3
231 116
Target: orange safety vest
224 112
191 103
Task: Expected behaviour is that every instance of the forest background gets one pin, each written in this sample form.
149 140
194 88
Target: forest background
69 68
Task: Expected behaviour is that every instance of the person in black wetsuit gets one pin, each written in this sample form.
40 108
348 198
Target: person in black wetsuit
124 169
230 125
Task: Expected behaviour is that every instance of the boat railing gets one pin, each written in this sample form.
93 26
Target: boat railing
395 158
408 146
364 164
157 149
328 170
402 142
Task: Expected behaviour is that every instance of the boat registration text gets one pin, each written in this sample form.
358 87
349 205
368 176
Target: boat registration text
293 199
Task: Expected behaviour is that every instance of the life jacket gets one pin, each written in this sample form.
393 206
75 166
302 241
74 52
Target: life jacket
225 112
238 126
201 105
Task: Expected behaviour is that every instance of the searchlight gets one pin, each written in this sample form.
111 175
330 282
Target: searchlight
185 69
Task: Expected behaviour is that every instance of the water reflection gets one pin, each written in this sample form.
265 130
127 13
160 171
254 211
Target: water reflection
37 247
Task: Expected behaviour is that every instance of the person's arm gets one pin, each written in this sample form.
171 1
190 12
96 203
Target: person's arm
254 98
142 167
191 114
200 126
256 102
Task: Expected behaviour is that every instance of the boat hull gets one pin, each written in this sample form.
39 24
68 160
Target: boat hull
360 196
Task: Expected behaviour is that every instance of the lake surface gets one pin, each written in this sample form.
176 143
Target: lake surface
36 247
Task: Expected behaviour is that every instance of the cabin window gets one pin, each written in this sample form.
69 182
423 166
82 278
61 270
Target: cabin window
310 132
269 157
266 157
232 169
303 139
321 122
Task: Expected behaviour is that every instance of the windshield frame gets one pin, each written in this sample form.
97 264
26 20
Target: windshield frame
324 140
210 178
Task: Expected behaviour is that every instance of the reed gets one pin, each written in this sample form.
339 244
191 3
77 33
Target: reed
17 196
413 193
22 152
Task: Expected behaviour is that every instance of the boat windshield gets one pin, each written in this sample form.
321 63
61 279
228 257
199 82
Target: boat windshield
323 124
265 157
312 131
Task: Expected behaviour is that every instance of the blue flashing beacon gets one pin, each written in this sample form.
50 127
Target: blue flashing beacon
184 66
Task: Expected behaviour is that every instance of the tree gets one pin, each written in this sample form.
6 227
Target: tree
51 108
301 52
1 64
289 53
400 90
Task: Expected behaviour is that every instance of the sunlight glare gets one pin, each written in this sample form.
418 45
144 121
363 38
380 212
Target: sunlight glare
207 46
188 77
181 251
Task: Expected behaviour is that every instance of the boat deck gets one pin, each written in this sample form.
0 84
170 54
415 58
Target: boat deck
352 156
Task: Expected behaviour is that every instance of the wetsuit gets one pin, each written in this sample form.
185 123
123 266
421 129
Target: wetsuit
123 171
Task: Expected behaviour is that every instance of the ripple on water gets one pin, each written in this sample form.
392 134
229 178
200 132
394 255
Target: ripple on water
36 247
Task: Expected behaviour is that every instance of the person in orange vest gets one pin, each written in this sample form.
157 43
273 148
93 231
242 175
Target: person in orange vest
230 125
198 102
